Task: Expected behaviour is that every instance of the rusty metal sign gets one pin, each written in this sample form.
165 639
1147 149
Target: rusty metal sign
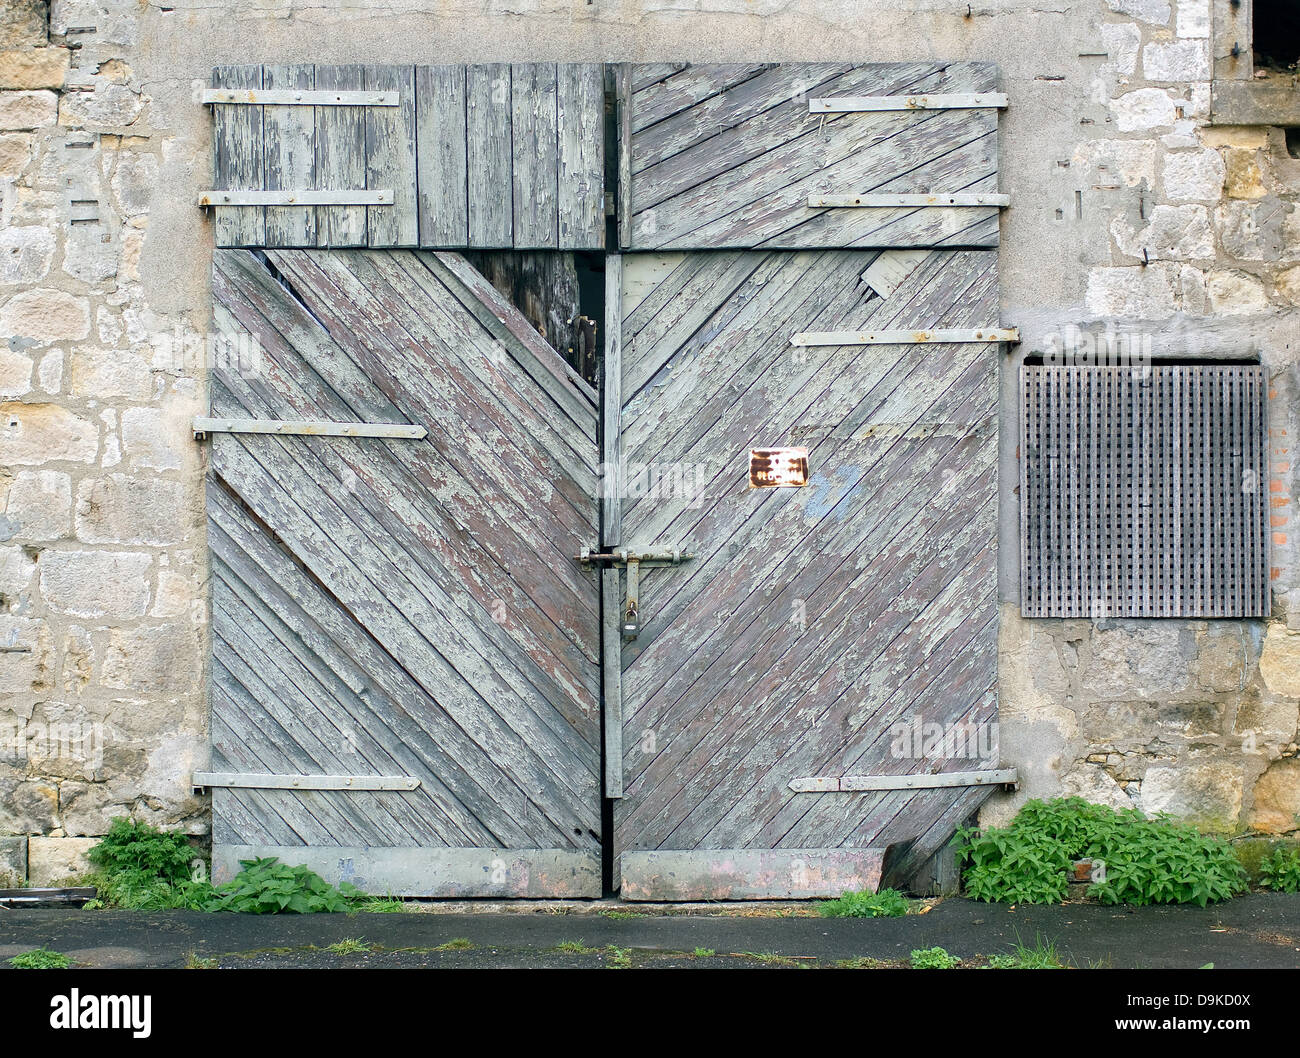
774 468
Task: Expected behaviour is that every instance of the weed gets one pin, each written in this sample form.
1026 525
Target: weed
933 959
1042 956
348 946
1147 861
195 961
619 958
888 903
266 886
379 905
573 947
861 962
704 953
40 959
456 944
1281 870
618 916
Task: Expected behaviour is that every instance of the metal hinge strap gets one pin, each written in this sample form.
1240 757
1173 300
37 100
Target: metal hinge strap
940 780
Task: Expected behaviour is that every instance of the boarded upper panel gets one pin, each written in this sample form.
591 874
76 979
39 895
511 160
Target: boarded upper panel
490 156
1141 491
729 155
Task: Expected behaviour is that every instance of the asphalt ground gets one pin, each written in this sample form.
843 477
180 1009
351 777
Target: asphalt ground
1256 931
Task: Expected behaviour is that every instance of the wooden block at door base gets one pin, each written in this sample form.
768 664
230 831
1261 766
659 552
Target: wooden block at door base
532 874
749 874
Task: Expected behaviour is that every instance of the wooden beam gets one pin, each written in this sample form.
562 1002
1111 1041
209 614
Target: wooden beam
862 104
907 201
204 425
902 337
355 197
297 97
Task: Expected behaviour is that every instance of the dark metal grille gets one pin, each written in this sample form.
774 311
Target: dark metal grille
1143 491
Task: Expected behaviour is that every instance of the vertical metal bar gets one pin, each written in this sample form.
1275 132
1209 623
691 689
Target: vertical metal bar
611 478
611 656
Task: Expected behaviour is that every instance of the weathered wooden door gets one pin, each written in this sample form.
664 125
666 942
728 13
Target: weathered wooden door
405 688
809 623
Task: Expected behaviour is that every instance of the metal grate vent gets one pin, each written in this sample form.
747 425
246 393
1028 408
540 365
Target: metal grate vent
1142 491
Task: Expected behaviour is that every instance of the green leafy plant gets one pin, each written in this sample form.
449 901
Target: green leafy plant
1042 956
888 903
143 868
1143 861
1281 870
40 959
267 886
456 944
704 953
573 947
935 958
619 958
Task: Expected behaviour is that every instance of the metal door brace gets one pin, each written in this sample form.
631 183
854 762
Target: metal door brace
633 558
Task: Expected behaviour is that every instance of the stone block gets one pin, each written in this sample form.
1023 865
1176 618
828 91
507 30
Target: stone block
13 861
1176 62
153 439
1156 12
1277 799
1207 792
23 111
1143 110
25 254
15 373
45 316
161 658
1244 178
95 372
32 434
96 583
1193 176
117 509
39 505
54 860
1132 293
1236 294
30 68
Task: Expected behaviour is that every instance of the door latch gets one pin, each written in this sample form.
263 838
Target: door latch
632 559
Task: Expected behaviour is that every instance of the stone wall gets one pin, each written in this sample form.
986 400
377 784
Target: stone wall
1132 213
101 526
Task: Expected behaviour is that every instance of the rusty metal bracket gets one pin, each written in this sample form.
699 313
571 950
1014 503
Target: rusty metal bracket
632 559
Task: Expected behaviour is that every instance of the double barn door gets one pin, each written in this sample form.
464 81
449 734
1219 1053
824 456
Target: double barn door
419 683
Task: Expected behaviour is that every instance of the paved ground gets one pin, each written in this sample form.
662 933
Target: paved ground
1261 930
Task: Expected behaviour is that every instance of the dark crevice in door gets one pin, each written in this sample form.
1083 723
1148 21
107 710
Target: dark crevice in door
556 292
283 280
